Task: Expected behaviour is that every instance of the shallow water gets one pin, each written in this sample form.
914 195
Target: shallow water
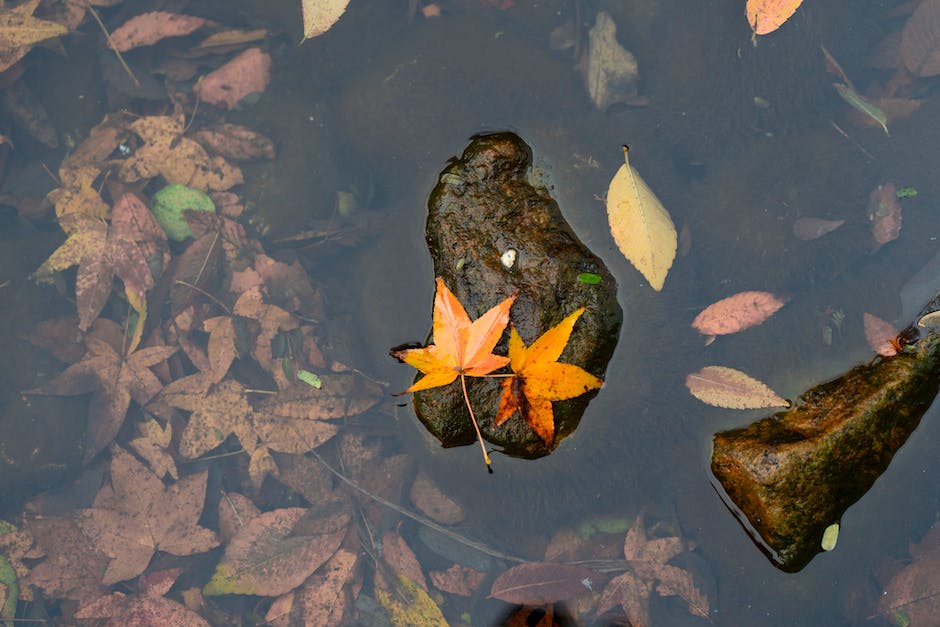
387 100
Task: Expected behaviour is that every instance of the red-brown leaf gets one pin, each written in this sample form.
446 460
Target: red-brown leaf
736 313
539 583
880 335
148 28
884 213
920 40
808 228
248 73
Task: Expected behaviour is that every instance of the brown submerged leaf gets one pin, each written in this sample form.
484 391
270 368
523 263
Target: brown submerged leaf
737 312
147 29
539 583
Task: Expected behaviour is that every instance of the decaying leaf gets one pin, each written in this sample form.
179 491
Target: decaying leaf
808 228
248 73
408 604
19 30
320 15
237 142
884 213
152 444
73 564
863 105
433 503
766 16
460 347
540 379
267 558
114 380
137 515
460 580
920 40
648 559
323 599
140 609
736 313
727 387
540 583
913 594
881 335
610 73
147 29
640 224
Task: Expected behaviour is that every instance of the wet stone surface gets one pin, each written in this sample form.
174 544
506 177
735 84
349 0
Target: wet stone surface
491 232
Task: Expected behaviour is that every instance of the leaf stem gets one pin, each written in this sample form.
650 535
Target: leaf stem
466 398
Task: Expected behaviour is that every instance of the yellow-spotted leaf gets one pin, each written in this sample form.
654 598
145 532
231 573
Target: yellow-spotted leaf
727 387
640 224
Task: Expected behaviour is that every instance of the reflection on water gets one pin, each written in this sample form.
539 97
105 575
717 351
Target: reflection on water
384 99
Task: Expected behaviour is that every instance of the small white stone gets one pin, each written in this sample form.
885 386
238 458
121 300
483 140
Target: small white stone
508 258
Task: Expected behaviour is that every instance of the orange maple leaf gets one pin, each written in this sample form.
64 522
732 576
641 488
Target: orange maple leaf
540 379
461 348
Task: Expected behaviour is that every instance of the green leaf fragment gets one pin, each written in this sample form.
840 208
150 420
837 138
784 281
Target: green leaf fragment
410 605
310 379
906 192
287 366
8 579
589 278
170 203
830 537
861 104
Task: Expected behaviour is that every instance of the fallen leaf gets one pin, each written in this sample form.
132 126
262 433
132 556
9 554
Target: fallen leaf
730 388
266 558
147 29
736 313
863 105
140 609
72 565
460 580
272 320
235 511
913 594
320 15
248 73
28 113
19 30
808 228
881 335
540 583
766 16
136 515
460 347
610 73
232 37
540 379
236 142
152 444
114 380
408 604
102 251
648 559
640 224
401 559
341 395
884 213
323 598
920 40
433 502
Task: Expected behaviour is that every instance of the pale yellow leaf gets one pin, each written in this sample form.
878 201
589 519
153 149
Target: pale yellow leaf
320 15
640 224
727 387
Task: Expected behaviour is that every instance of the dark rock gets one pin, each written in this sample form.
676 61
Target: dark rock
795 473
482 207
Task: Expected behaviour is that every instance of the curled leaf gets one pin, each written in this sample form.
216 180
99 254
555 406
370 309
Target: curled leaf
730 388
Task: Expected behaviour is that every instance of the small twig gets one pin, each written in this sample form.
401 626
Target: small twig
107 35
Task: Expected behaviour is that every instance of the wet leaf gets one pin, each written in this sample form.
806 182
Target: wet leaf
610 73
267 558
147 29
540 379
176 158
136 515
341 395
272 321
881 335
401 559
460 580
920 40
915 590
540 583
730 388
863 105
320 15
152 444
19 30
322 599
114 380
143 609
648 559
737 312
310 379
640 224
884 213
235 511
236 142
766 16
169 205
410 606
102 251
589 278
460 346
830 537
246 74
433 503
808 228
72 566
